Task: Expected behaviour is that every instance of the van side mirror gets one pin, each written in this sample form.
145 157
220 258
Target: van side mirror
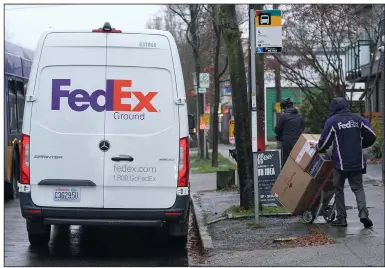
191 124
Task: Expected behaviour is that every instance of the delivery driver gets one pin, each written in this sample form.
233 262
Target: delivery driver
289 128
349 133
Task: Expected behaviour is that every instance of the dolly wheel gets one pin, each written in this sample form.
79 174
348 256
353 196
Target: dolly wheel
327 213
308 216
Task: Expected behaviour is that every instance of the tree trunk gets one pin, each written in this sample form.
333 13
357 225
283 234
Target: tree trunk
214 137
195 47
260 81
232 37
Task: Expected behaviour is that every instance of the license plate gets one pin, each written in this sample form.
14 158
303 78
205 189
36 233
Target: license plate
66 194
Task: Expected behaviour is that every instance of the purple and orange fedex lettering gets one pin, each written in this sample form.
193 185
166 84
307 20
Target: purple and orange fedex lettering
80 100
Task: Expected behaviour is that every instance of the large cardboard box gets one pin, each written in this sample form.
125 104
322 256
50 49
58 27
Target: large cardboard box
320 167
302 153
294 188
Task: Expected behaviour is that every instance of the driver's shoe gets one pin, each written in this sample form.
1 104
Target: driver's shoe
340 222
364 218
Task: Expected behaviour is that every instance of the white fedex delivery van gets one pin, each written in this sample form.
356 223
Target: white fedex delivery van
105 133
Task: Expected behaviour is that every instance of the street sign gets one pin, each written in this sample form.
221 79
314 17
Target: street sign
204 80
268 31
231 132
268 170
202 90
205 121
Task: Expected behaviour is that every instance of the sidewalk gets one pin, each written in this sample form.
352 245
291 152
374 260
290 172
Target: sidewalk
238 242
235 242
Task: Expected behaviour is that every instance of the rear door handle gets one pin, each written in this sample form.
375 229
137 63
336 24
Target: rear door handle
118 158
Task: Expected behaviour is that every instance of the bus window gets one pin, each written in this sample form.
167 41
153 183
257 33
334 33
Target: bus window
12 114
20 103
12 106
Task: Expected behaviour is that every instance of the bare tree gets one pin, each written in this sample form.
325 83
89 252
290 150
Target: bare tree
216 28
232 38
190 15
315 39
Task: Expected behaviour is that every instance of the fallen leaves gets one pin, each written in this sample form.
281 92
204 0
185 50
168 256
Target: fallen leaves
374 161
315 238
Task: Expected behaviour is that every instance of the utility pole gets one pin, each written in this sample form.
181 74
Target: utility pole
277 72
254 128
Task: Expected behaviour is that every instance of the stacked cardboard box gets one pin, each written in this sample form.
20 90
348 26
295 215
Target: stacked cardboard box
302 174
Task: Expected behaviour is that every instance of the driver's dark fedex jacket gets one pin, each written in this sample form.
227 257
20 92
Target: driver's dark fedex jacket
350 133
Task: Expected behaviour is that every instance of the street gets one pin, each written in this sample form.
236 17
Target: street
80 246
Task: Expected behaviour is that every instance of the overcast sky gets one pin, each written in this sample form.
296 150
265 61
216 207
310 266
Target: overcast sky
25 23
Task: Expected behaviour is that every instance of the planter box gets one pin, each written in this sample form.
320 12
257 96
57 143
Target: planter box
225 179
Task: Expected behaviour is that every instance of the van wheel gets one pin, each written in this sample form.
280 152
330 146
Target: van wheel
38 235
179 233
39 239
178 241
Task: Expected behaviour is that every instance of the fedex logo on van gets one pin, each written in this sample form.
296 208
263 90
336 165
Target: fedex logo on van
80 100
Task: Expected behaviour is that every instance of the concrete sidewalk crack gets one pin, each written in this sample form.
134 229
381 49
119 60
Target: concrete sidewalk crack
355 254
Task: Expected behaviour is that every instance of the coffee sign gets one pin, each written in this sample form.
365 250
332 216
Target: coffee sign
269 167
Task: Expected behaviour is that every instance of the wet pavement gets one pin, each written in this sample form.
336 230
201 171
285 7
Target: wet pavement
84 246
239 243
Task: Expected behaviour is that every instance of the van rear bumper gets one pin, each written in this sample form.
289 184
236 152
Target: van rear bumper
103 216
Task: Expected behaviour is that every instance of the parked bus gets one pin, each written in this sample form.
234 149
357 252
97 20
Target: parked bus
17 66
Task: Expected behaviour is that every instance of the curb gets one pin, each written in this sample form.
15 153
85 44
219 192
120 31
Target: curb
207 243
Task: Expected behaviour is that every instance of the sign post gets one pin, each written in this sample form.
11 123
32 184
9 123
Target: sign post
268 31
265 34
204 83
254 134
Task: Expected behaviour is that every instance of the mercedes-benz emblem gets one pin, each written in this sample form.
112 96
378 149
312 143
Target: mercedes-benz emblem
104 145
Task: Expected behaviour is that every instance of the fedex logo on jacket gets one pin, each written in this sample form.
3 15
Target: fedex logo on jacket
80 100
349 124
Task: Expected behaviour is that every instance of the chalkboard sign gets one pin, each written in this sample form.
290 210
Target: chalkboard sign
268 170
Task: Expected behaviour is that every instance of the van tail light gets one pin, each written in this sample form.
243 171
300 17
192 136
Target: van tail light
184 163
25 156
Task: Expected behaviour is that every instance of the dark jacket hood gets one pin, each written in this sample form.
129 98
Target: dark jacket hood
338 105
291 110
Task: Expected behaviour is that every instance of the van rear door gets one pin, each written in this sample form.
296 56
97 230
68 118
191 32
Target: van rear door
142 126
66 165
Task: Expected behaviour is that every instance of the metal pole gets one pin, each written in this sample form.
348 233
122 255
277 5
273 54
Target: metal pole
382 84
254 134
204 130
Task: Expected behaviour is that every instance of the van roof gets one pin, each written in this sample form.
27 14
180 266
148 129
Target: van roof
144 31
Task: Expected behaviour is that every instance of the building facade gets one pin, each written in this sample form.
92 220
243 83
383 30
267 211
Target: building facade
363 60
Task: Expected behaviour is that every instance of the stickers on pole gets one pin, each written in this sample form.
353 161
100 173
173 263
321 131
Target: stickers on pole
205 121
254 134
268 31
254 100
